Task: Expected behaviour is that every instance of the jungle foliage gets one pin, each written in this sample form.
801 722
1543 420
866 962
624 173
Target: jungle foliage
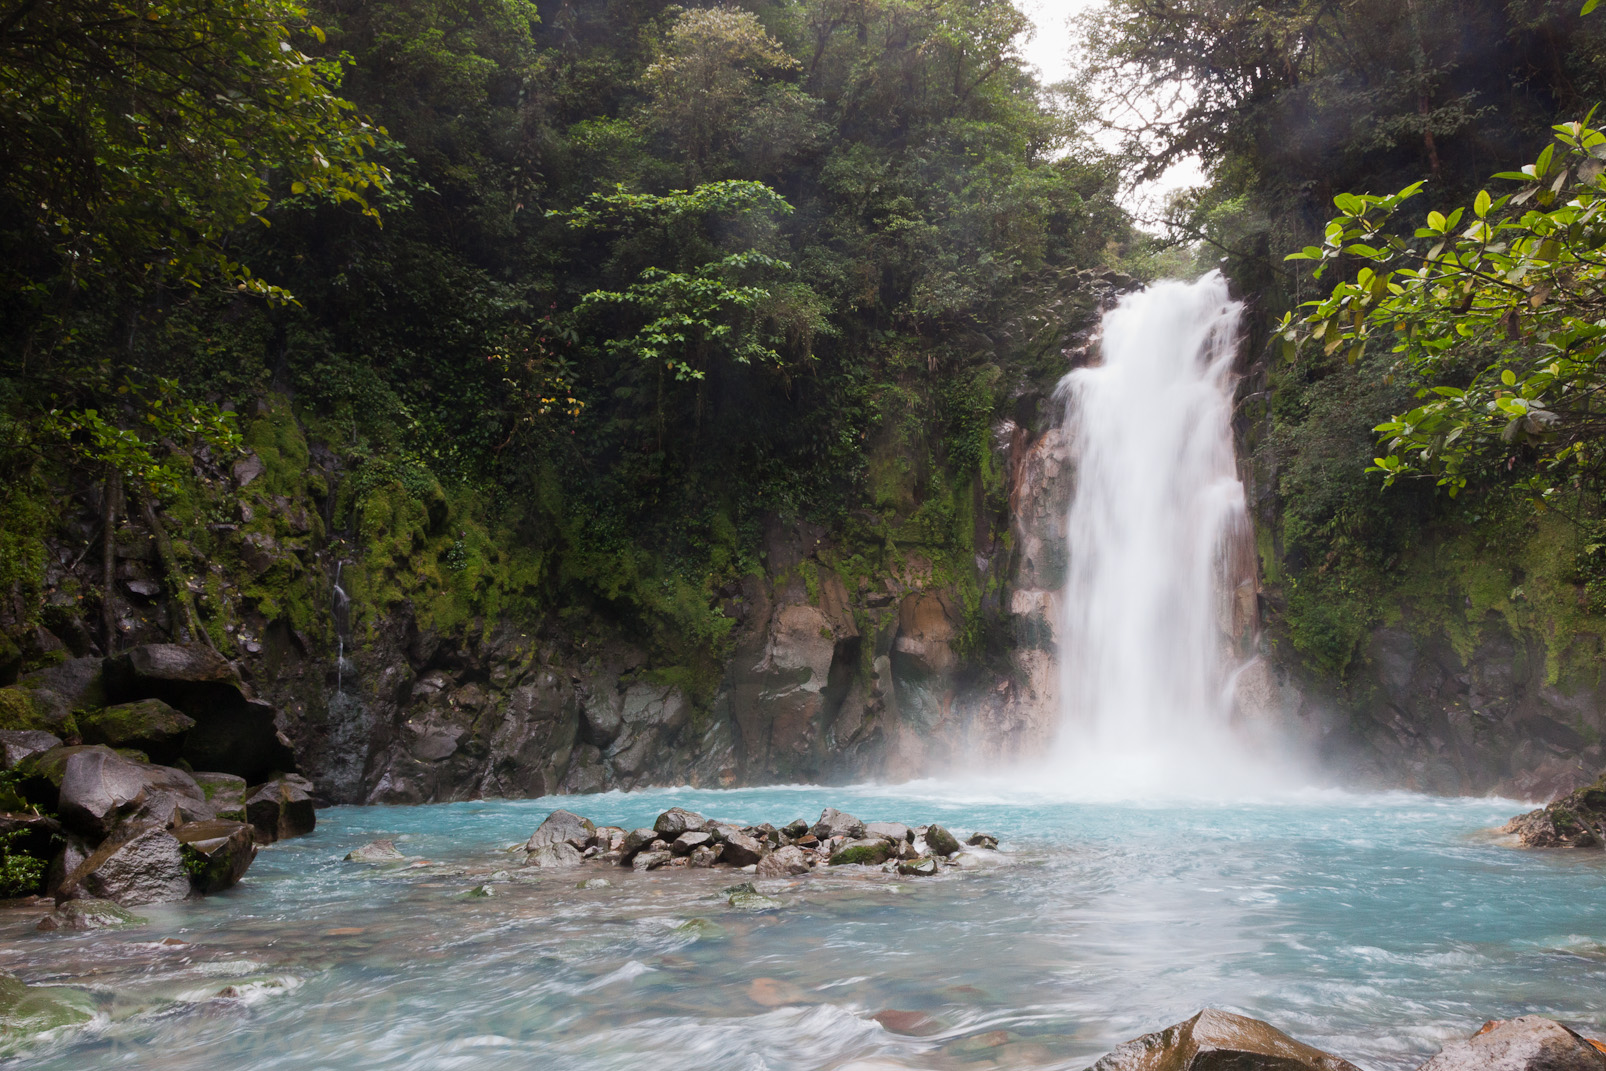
604 282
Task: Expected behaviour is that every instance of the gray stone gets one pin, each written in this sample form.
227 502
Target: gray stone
375 851
1528 1043
675 821
77 916
96 785
595 883
225 793
1215 1040
918 868
784 863
147 868
147 725
796 828
562 827
704 856
742 850
635 841
557 856
650 860
1577 820
217 852
941 841
982 840
834 823
686 843
18 744
894 831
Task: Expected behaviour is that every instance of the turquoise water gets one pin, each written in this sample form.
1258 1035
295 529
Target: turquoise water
1372 926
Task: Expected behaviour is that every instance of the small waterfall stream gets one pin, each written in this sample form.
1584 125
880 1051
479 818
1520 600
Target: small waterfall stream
1154 521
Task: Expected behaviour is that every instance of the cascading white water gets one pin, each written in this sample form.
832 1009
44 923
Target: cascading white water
1145 661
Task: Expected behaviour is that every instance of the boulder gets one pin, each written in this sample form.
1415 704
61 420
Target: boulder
1528 1043
96 787
983 840
557 855
225 793
794 829
870 851
742 850
147 725
918 868
686 843
562 827
635 841
234 732
650 860
29 1009
705 856
53 694
216 853
280 808
146 868
77 916
784 863
834 823
675 821
19 744
1577 820
896 832
941 841
1215 1040
375 851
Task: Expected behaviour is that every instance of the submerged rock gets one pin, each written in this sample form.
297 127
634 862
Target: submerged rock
1528 1043
80 915
746 897
375 851
30 1009
1577 820
1215 1040
983 840
918 868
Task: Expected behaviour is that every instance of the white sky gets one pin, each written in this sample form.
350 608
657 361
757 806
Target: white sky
1050 52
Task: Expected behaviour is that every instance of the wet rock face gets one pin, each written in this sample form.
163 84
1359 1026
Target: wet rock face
280 808
216 852
1215 1040
1528 1043
147 725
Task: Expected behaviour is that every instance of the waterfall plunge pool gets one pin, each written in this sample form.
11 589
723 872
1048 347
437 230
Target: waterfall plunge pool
1375 927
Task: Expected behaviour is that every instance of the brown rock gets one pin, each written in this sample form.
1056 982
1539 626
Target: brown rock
1577 820
912 1023
280 808
784 863
218 852
1528 1043
1215 1040
742 850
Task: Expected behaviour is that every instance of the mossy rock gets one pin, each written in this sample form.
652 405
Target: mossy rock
28 1010
863 853
17 711
148 725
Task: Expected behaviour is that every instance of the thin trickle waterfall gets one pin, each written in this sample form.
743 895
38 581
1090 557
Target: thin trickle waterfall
1155 515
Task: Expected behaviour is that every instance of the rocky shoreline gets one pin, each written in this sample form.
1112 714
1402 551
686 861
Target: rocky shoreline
1576 820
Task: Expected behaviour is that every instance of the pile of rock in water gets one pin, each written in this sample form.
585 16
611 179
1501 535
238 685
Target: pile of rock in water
1577 820
682 838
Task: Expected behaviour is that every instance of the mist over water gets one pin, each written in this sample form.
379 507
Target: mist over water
1146 650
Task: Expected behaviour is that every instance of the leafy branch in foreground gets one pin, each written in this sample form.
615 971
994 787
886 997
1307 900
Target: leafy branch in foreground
1497 309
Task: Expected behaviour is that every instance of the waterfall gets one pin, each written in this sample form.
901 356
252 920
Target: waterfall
342 608
1156 522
